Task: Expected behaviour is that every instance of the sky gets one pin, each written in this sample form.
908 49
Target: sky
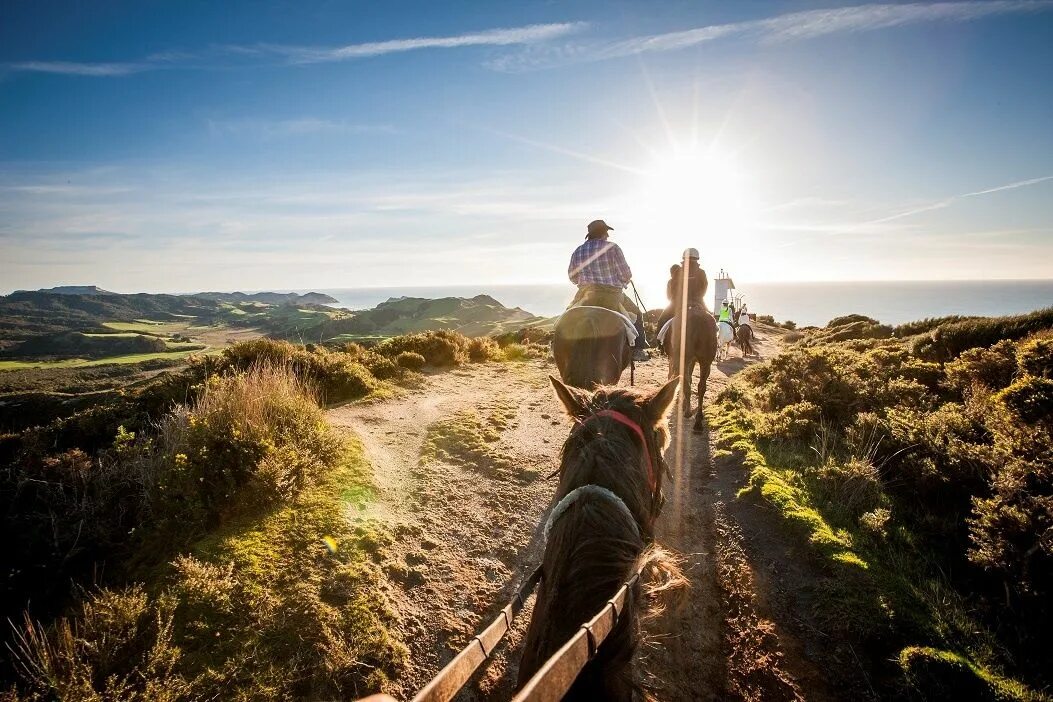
167 146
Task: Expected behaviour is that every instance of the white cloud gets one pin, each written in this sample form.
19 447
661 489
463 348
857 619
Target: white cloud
795 26
529 34
74 68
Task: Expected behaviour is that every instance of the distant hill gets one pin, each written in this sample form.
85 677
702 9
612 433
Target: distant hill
476 316
25 314
271 298
74 290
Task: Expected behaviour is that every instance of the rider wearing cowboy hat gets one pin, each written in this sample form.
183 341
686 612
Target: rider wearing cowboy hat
599 269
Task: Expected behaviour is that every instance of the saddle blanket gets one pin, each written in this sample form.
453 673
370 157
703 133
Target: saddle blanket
630 328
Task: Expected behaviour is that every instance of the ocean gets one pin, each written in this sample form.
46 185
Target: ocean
804 303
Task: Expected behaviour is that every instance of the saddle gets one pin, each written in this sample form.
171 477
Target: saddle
630 328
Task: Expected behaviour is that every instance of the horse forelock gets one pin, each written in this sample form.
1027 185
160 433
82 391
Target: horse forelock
599 451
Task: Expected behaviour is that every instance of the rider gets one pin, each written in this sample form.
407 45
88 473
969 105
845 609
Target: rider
725 314
599 270
697 284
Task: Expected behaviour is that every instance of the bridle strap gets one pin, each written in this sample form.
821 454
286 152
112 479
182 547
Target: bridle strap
624 420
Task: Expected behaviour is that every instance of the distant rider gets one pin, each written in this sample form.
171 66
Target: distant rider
599 270
697 284
725 314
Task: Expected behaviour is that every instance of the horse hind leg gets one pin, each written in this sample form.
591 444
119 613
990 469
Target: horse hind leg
703 381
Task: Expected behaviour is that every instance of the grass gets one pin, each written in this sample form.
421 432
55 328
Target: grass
111 360
469 440
256 574
145 326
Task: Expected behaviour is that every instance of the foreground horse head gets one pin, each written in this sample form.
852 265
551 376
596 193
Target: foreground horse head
700 346
600 531
590 347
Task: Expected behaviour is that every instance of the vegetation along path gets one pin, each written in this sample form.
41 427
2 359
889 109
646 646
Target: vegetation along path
462 465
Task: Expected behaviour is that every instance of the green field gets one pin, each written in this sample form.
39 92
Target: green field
144 326
87 363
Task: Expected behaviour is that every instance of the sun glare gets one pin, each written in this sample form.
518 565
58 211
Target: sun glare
690 197
693 191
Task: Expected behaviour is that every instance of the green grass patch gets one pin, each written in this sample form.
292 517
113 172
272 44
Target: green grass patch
469 440
112 360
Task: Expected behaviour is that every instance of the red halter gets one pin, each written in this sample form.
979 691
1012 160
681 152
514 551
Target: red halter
623 419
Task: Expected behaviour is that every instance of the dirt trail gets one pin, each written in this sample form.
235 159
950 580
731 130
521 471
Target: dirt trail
466 533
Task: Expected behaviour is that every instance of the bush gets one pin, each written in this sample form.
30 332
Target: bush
990 368
439 348
250 439
338 375
949 341
483 348
523 352
381 367
410 360
1036 357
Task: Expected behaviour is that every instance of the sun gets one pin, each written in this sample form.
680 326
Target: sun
693 192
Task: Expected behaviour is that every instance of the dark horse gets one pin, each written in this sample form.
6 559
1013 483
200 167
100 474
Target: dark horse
600 531
590 347
701 348
744 338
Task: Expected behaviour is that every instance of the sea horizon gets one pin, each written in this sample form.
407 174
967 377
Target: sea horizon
806 303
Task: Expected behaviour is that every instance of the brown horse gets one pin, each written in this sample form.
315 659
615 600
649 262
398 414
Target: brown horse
701 348
590 347
598 534
744 338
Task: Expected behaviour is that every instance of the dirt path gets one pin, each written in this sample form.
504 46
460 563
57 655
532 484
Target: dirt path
461 463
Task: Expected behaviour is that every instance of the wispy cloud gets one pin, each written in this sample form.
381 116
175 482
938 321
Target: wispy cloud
529 34
73 68
795 26
266 54
947 202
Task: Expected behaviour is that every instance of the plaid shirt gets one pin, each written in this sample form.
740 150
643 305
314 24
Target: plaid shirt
599 262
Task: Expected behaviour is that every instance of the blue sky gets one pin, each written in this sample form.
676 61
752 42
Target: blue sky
178 146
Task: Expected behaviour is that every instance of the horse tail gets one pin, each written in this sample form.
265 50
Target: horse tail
592 549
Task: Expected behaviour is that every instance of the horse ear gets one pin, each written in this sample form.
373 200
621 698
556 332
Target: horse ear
570 398
657 406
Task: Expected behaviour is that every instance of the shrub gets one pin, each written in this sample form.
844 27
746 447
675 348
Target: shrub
990 368
1030 399
338 375
483 348
250 439
439 348
410 360
948 341
381 367
117 646
1036 357
522 352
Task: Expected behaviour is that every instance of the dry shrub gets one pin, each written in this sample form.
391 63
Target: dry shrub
117 646
410 360
523 352
338 375
483 348
251 438
381 367
439 348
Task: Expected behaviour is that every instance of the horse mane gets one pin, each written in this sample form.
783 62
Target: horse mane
595 545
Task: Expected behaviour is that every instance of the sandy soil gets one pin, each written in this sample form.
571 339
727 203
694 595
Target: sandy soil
466 538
